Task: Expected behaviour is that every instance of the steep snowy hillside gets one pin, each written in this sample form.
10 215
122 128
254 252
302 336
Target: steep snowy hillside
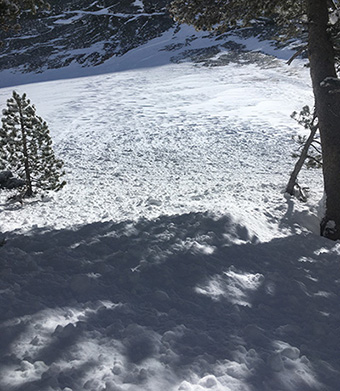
82 34
85 32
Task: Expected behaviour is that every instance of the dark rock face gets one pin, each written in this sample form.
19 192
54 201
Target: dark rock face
7 181
87 32
4 177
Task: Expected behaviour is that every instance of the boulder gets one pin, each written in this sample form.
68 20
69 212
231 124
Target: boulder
15 183
4 177
7 181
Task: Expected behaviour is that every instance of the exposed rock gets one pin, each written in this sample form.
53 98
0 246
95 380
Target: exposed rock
90 32
14 183
7 181
87 32
4 177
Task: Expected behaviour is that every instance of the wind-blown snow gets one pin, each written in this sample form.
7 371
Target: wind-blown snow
171 260
168 140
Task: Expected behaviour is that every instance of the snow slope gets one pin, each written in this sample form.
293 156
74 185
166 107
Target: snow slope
82 32
172 259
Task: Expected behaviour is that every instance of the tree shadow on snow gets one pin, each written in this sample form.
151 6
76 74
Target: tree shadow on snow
194 296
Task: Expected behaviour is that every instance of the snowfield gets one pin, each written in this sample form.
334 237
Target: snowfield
172 259
169 140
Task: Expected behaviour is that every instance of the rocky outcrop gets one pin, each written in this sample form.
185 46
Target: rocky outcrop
86 32
83 33
8 181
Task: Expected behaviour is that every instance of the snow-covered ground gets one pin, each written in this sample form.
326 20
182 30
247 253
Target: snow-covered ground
172 259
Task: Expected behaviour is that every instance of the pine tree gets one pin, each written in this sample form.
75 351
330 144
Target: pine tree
26 147
312 144
309 152
316 20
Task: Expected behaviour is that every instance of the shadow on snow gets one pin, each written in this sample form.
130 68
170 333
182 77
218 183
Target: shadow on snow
193 294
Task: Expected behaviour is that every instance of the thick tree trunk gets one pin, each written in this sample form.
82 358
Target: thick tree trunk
327 102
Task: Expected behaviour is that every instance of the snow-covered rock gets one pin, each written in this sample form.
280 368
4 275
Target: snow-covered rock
82 31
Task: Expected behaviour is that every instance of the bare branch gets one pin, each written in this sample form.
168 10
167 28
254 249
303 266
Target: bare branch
296 54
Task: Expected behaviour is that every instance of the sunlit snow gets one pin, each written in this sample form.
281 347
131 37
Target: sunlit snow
168 140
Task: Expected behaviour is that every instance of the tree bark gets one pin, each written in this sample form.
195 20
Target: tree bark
327 103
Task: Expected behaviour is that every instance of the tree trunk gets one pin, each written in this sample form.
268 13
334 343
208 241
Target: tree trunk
321 57
29 191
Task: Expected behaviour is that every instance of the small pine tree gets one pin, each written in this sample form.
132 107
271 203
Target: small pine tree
26 147
308 120
309 152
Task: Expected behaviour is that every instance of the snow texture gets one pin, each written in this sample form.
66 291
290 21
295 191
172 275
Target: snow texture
171 260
